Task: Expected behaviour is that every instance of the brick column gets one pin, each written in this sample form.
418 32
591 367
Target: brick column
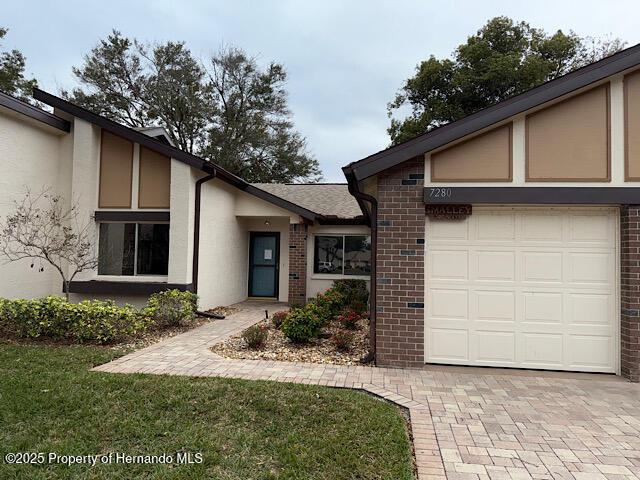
297 263
400 267
630 291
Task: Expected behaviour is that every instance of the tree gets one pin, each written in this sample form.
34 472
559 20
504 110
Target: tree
501 60
229 111
42 229
12 79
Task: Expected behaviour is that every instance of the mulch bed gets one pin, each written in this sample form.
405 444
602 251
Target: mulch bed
279 347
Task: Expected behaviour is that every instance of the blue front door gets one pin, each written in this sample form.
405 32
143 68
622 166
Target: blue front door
264 252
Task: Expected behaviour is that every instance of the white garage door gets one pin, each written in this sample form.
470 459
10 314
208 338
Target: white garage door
527 288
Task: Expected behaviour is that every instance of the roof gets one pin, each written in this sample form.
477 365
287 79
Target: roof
450 132
325 199
141 136
36 113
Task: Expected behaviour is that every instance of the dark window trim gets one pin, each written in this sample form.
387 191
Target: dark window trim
344 248
253 235
30 111
131 216
125 288
535 195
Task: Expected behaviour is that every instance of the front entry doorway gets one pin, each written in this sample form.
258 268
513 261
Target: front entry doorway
264 259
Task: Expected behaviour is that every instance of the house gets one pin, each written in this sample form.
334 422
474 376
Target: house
510 238
163 218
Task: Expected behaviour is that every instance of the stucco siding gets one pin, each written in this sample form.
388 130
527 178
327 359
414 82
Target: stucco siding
222 278
30 157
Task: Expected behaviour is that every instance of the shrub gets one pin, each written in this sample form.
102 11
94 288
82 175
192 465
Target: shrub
349 319
329 304
354 292
343 340
302 324
277 318
255 336
89 321
172 308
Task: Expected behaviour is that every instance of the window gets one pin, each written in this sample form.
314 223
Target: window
133 249
342 254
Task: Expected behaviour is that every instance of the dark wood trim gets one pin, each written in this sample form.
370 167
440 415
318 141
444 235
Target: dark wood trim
501 111
361 220
535 195
109 287
35 113
131 216
607 178
509 126
252 235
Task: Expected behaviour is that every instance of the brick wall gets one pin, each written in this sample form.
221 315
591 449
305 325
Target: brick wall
630 291
297 263
400 274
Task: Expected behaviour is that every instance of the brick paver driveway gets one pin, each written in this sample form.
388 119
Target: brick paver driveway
466 423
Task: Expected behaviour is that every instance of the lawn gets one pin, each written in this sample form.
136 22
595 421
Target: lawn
50 402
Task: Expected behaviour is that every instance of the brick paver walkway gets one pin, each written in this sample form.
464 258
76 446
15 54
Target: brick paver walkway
466 423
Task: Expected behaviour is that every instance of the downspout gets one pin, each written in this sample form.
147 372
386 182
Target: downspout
196 229
373 225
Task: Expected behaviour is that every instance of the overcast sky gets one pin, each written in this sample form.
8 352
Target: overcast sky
345 59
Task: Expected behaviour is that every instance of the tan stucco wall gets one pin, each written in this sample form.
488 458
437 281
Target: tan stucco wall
632 126
116 171
570 140
486 157
154 180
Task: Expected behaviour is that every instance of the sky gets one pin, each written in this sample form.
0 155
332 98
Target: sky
345 59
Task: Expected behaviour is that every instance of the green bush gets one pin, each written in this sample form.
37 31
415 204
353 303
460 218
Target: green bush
172 308
53 317
302 324
329 304
255 336
354 292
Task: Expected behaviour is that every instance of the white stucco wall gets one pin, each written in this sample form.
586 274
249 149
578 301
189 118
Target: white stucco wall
319 282
34 156
222 278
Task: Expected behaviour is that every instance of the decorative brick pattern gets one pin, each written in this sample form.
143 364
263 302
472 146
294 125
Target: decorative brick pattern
400 267
630 292
297 263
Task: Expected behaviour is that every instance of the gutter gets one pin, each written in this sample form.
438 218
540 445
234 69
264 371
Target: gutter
196 227
372 218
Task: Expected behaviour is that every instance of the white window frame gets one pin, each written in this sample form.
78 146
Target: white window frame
336 276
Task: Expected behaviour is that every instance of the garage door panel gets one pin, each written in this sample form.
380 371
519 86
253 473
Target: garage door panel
593 352
448 344
542 307
447 303
449 264
593 268
589 309
592 229
521 287
494 305
543 267
495 265
542 350
540 228
495 347
500 227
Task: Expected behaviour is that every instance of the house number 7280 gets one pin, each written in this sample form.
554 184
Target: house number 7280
439 192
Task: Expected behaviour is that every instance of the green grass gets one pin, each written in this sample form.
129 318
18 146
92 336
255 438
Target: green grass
50 402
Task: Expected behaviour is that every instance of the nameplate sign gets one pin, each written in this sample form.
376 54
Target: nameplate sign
444 211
